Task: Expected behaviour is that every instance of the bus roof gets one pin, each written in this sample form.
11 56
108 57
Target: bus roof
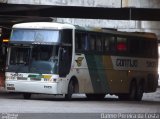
56 25
119 33
43 25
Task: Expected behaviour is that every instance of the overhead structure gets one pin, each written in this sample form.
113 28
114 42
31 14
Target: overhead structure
143 14
9 20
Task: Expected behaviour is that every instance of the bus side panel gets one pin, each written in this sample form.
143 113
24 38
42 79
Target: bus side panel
104 78
117 80
141 70
82 74
97 73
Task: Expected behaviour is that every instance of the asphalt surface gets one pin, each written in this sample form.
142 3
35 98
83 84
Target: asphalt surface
13 106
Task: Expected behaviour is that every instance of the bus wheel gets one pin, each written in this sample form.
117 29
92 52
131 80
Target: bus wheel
139 92
133 90
26 95
71 88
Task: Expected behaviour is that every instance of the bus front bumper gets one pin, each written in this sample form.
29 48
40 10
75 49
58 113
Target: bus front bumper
32 87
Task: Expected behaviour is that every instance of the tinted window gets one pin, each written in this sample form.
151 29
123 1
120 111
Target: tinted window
67 36
112 44
121 44
142 47
99 43
92 43
133 46
80 40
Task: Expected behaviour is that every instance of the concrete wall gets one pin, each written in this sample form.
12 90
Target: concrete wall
141 3
93 3
119 24
109 3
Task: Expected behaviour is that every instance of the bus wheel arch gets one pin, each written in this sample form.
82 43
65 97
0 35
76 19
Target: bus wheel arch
131 95
76 84
73 87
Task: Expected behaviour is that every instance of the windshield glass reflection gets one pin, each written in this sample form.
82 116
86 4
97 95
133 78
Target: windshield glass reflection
35 59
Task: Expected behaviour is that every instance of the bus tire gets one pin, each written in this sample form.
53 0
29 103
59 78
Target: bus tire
71 88
26 95
133 90
139 92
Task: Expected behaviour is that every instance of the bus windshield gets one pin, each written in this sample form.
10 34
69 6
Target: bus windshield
33 59
35 36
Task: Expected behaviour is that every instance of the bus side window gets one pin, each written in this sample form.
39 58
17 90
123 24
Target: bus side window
92 43
99 43
134 47
106 44
148 48
112 44
121 44
67 36
80 39
86 43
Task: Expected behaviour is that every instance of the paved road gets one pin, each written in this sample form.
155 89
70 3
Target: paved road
49 106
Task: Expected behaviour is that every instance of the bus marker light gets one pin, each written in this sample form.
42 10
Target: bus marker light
5 40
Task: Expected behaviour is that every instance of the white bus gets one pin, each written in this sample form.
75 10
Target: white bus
62 59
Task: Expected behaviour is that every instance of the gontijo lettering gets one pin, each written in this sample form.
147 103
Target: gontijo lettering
126 63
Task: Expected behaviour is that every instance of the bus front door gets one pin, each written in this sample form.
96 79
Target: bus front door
65 57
